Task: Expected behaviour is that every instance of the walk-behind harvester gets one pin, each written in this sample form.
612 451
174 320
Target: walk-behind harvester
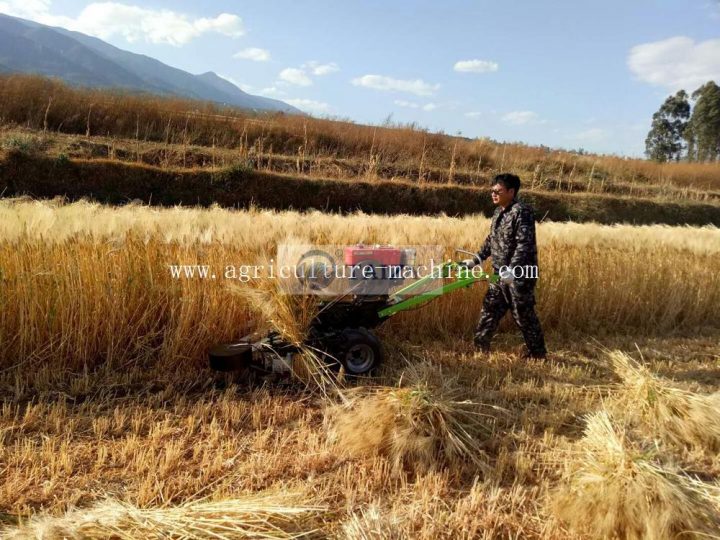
341 332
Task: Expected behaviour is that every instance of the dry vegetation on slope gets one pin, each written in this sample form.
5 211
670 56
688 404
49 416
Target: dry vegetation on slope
182 133
105 393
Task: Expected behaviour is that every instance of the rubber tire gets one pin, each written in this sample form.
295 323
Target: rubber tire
360 337
230 356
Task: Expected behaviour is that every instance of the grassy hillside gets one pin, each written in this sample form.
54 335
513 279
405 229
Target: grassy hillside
116 182
408 152
187 156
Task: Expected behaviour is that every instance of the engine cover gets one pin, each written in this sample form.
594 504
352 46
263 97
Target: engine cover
380 255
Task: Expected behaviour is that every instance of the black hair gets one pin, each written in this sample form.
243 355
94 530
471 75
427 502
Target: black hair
507 180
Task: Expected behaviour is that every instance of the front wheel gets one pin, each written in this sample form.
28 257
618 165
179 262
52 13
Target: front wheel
361 351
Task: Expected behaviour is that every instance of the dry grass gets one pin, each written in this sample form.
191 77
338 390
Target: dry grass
408 151
290 316
664 410
286 306
614 489
180 156
63 264
105 389
260 516
427 423
370 524
161 438
696 183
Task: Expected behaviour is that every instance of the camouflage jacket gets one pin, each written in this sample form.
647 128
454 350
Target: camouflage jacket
511 241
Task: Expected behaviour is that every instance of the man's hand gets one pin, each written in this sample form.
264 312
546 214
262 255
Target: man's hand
506 275
467 263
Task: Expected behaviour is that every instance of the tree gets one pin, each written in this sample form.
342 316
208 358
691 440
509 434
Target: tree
689 136
664 141
704 127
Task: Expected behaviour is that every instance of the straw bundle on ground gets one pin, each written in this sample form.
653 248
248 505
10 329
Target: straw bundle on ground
371 524
420 426
614 489
266 516
661 409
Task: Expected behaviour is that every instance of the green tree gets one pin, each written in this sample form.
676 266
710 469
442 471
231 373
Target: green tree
689 136
664 141
703 134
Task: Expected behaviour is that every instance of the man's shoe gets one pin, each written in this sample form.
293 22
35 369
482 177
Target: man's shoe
482 350
533 355
482 347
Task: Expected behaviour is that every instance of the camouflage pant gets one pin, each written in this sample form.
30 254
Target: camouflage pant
519 298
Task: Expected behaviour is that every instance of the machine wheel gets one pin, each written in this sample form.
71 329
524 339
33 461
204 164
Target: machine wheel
361 351
230 356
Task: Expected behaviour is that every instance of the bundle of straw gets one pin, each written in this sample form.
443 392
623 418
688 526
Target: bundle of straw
371 524
614 489
265 516
421 426
664 411
290 315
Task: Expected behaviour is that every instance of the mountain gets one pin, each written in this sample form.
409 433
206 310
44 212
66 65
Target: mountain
30 47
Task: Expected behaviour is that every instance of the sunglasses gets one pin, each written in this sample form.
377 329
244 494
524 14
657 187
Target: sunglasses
497 191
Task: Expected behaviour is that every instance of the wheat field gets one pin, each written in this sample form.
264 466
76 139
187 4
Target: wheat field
108 409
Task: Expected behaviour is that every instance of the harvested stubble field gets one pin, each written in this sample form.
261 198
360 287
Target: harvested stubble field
106 397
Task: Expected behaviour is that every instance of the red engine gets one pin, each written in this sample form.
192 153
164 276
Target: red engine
379 255
377 268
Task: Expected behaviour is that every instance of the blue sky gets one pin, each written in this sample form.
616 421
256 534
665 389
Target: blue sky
562 73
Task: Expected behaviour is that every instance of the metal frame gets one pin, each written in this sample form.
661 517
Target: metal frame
400 303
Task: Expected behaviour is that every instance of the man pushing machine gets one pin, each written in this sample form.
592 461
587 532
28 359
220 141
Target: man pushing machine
512 247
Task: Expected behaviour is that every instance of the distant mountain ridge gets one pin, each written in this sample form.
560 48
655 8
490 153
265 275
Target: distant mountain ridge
30 47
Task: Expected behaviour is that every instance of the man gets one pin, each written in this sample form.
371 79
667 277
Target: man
511 244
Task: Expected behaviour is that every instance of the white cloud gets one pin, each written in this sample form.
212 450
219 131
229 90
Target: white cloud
407 104
271 91
411 105
253 53
108 19
316 68
380 82
592 135
295 76
476 66
27 9
301 76
226 24
473 114
309 105
677 62
518 118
